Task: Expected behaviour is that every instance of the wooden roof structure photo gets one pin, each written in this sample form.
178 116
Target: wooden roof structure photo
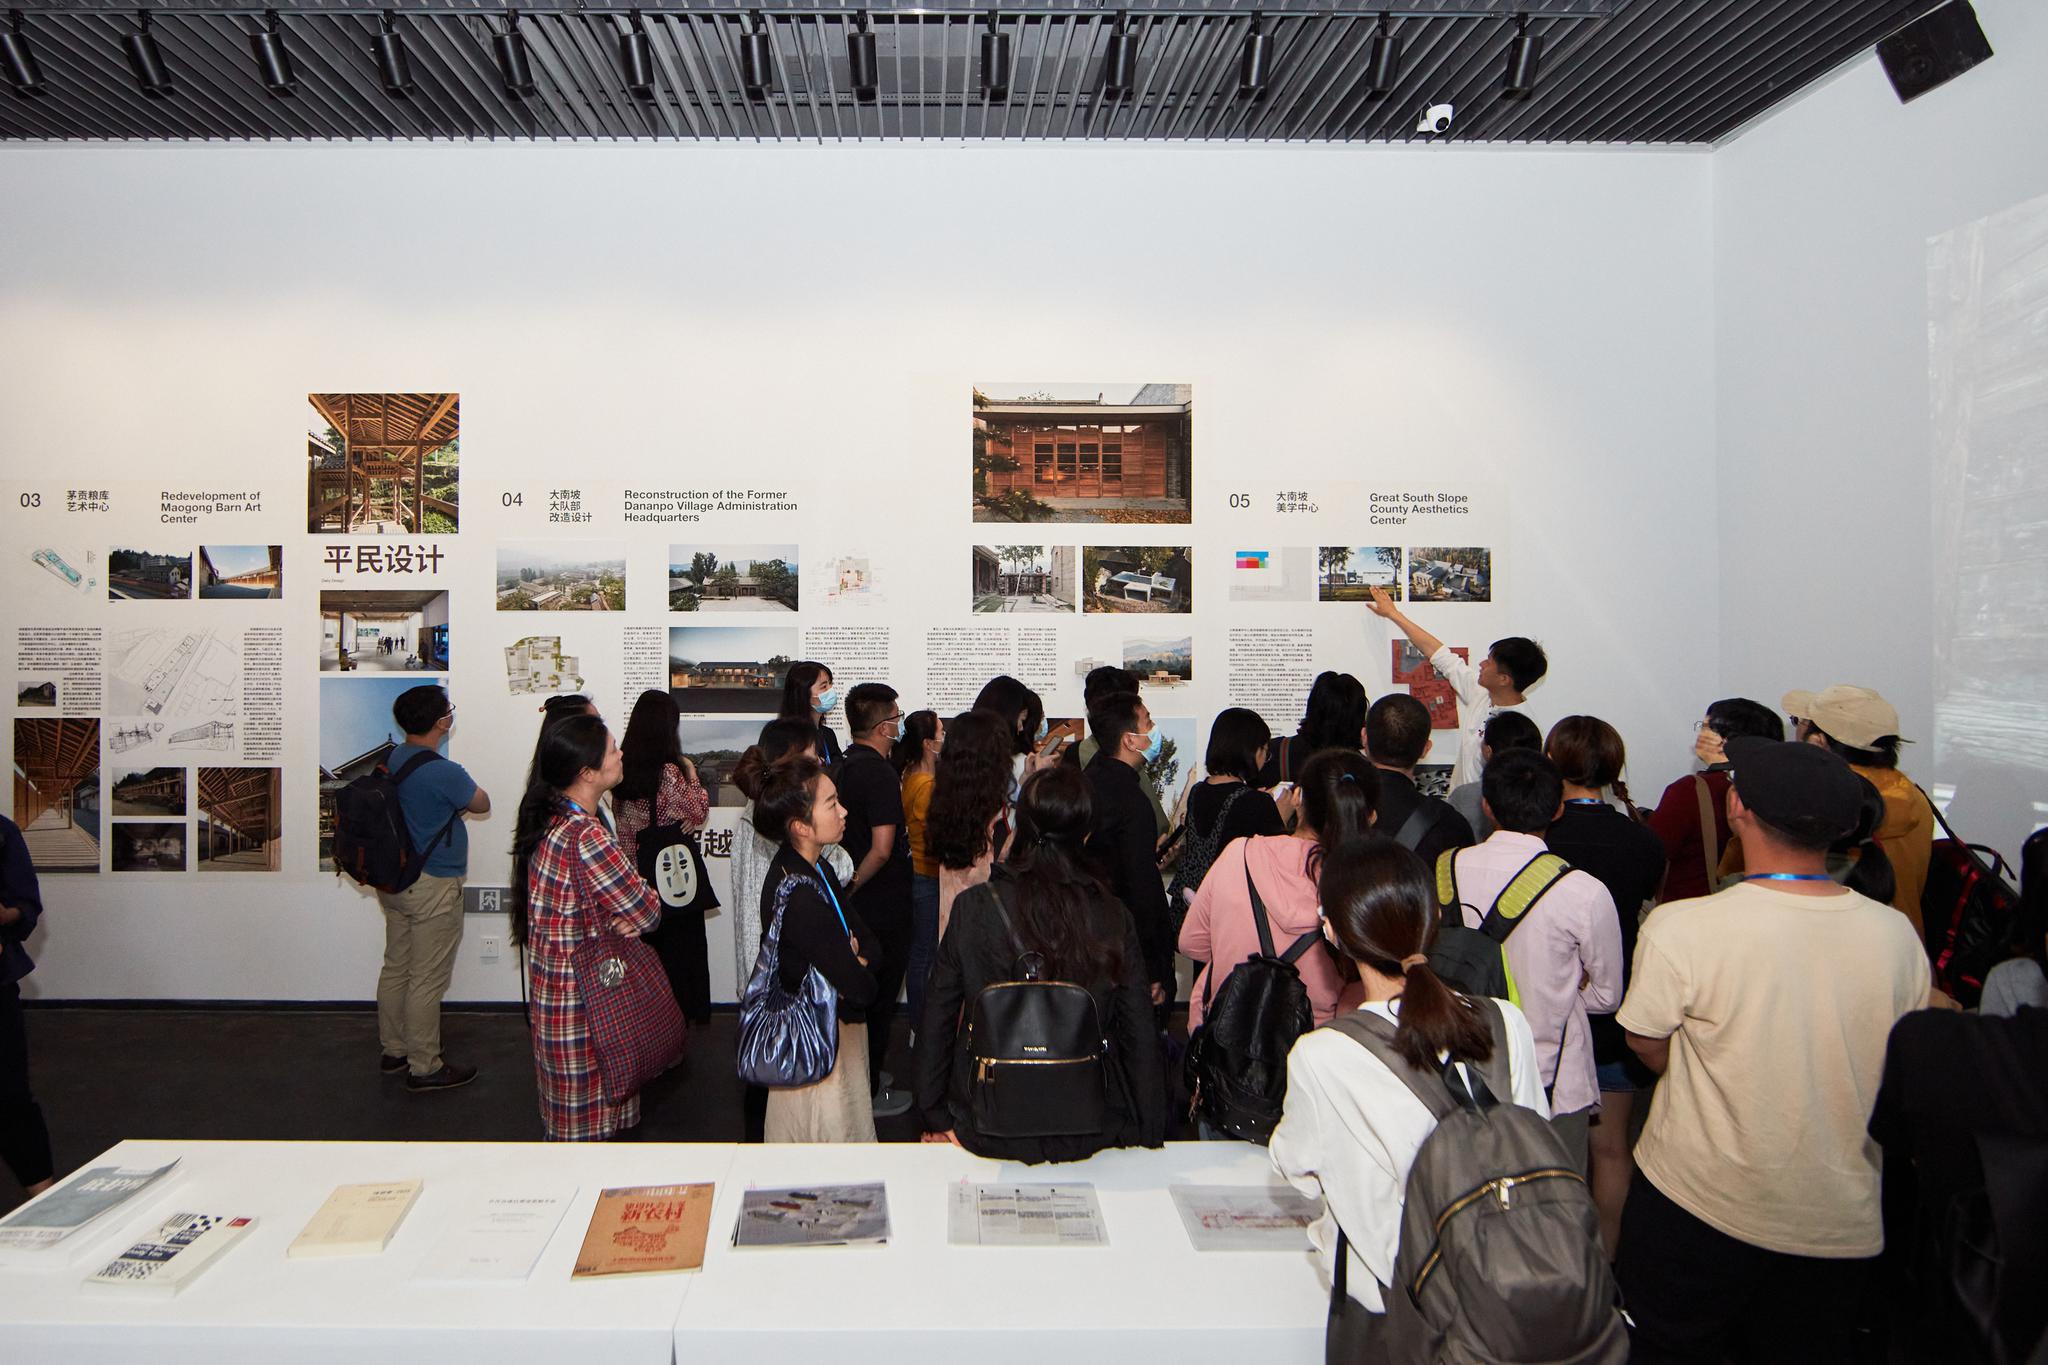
242 799
376 479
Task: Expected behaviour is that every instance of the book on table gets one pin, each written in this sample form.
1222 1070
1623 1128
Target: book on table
357 1220
40 1231
646 1230
814 1216
498 1238
171 1255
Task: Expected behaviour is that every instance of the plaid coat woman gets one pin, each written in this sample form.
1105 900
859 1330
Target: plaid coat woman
577 874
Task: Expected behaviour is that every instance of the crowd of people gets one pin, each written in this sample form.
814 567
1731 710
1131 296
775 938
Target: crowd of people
1742 952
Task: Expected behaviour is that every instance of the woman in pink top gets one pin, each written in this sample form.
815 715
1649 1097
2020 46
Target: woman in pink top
1338 795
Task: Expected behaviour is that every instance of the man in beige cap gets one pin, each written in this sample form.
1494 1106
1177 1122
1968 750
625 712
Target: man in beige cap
1863 728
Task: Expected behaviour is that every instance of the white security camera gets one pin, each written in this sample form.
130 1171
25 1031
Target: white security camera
1435 119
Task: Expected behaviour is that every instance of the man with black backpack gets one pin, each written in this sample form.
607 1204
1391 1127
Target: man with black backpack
1396 739
423 917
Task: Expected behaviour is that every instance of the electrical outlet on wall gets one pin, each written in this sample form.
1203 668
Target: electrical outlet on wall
493 948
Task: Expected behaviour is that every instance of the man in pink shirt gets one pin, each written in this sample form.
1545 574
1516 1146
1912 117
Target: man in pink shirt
1565 950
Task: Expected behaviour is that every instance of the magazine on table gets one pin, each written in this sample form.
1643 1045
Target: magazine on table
172 1255
1025 1216
1246 1217
646 1230
39 1231
814 1216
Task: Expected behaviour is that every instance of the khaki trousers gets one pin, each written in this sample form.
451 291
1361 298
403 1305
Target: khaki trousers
422 928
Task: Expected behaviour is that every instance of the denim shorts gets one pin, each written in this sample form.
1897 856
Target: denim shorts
1615 1078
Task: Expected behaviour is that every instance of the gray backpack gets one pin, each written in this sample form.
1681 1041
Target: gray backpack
1500 1257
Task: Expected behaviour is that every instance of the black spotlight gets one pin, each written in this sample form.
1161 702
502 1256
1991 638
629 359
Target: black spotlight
1251 72
512 64
145 61
862 66
1525 56
636 57
273 63
22 72
757 60
1119 63
995 62
1384 71
389 51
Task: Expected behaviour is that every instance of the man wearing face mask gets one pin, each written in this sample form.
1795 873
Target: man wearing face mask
874 839
1693 806
1121 834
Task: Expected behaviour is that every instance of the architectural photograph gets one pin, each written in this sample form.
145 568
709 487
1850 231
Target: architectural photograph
357 732
146 791
1157 579
1109 453
1175 763
729 668
385 630
1168 662
1450 574
1025 578
715 746
383 463
149 846
233 571
714 578
238 829
57 792
35 694
1349 573
562 576
156 575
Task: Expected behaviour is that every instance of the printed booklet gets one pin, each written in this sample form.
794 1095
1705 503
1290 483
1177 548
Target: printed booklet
817 1216
33 1235
172 1256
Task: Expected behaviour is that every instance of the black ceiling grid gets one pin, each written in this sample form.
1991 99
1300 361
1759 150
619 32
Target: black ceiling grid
1629 72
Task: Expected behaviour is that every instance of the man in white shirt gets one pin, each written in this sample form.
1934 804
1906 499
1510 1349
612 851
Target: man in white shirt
1750 1229
1564 953
1511 667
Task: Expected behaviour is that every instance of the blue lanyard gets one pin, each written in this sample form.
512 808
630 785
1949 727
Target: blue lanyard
826 882
1585 801
1788 877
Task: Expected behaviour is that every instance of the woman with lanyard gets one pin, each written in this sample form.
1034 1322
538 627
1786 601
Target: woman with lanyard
799 807
808 695
567 875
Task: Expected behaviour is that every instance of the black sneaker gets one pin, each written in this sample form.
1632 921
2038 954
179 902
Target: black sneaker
447 1078
391 1065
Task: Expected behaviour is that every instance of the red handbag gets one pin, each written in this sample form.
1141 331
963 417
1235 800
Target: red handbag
630 1015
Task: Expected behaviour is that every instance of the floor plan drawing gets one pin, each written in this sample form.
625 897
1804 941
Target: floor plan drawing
537 664
175 678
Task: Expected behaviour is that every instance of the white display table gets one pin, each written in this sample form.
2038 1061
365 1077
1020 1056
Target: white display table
1148 1292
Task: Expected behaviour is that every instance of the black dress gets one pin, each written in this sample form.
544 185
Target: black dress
977 951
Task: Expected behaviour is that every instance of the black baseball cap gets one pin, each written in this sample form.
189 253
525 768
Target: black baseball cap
1807 792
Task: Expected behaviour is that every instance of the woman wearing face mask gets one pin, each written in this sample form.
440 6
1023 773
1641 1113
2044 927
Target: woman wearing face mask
799 807
808 695
566 875
917 759
1692 804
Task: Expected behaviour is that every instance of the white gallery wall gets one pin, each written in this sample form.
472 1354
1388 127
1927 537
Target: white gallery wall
1829 217
1532 326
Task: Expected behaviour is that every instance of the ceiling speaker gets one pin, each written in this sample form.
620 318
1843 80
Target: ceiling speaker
1933 50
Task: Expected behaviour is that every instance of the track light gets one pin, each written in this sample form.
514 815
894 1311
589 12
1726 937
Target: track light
1119 62
389 51
756 60
1525 56
636 56
273 63
995 62
145 61
1251 73
513 68
22 72
861 64
1383 73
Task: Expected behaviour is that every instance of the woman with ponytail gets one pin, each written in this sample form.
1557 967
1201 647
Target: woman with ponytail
1624 855
1339 793
1045 900
1351 1127
568 877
